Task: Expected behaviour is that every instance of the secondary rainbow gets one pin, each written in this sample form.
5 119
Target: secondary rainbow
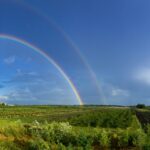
69 41
48 58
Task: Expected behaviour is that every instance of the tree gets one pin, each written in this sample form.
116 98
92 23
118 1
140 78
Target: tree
140 106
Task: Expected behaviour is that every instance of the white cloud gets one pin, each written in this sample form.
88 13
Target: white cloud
10 60
3 98
32 73
119 92
57 90
21 94
19 72
143 75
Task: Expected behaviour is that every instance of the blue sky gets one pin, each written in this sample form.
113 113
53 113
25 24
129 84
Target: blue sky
28 78
103 47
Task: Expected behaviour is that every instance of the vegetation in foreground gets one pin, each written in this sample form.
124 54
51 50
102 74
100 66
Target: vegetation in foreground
64 127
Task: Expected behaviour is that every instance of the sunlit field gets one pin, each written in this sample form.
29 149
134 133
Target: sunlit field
73 127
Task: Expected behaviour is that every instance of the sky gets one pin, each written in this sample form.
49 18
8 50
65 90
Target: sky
101 46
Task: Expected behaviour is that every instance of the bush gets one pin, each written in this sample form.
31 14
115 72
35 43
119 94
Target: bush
8 145
104 138
37 144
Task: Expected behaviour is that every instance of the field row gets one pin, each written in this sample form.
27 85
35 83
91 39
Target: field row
77 116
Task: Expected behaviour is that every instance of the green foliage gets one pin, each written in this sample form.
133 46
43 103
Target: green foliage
7 145
135 124
96 128
64 136
37 144
104 138
148 130
140 106
113 118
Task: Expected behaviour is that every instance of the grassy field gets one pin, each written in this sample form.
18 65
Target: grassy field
73 127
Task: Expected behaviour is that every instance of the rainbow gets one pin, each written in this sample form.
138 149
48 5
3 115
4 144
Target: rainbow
48 58
70 42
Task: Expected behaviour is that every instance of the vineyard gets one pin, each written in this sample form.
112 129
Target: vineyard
73 127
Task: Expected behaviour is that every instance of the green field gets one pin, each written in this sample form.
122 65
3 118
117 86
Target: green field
73 127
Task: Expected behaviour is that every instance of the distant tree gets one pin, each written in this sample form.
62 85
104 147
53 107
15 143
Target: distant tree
140 106
3 104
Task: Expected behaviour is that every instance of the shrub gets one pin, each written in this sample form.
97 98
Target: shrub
104 138
123 138
8 145
136 137
37 144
